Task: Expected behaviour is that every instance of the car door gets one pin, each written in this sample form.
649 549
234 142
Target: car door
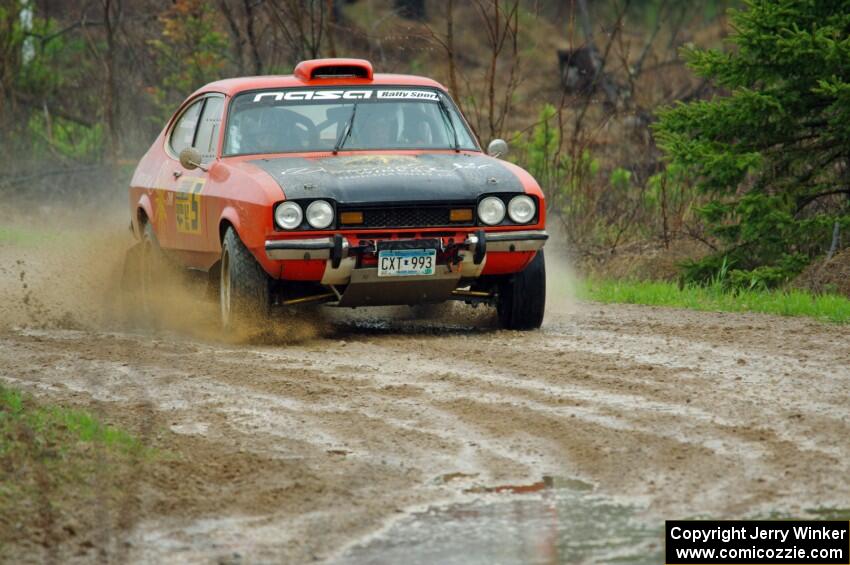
185 231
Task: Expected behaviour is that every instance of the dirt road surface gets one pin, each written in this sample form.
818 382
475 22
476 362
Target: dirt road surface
300 449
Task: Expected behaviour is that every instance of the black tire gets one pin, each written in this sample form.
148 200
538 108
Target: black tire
244 294
522 297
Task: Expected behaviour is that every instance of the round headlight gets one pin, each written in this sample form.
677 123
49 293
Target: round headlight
521 209
288 215
320 214
491 210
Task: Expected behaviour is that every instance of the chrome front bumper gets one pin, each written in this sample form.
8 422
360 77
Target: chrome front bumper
516 240
340 262
326 247
312 248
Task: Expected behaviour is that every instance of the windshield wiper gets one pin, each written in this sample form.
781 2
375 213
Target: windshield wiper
345 133
448 118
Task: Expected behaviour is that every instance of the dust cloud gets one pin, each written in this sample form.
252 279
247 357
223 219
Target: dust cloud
62 276
77 274
66 267
561 278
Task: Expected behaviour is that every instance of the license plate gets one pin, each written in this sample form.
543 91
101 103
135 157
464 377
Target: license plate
406 262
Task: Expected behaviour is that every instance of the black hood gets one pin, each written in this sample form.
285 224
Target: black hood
368 179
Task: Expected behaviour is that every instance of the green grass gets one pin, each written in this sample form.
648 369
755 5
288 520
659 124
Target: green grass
54 425
826 307
55 463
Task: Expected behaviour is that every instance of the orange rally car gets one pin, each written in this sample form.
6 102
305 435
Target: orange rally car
341 186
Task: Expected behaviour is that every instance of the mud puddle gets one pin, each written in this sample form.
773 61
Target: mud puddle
554 520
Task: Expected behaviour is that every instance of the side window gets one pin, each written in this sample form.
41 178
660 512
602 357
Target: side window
207 137
184 130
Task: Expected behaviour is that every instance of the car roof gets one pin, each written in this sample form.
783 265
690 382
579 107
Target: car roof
302 77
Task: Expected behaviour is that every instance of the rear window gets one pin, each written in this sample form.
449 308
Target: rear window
184 130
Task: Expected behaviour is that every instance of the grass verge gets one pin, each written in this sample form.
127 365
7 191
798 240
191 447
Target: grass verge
825 307
54 463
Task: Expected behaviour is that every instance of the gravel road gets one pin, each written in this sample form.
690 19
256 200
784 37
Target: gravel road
300 448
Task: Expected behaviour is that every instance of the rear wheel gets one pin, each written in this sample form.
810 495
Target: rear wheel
244 294
522 297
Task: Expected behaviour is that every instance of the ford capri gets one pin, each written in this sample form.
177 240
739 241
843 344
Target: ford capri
336 185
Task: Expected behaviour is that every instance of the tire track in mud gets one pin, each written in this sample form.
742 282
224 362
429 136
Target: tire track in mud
689 413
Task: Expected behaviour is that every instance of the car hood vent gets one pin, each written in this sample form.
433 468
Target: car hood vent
315 69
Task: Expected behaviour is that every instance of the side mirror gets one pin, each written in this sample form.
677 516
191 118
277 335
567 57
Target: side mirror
497 148
190 158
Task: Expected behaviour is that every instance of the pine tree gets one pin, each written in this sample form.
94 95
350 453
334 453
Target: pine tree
772 153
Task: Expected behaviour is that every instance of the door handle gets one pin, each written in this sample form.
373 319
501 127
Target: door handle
177 174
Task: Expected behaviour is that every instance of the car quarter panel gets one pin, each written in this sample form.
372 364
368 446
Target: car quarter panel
142 185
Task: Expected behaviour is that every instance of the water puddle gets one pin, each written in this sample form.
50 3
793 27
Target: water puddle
551 521
542 485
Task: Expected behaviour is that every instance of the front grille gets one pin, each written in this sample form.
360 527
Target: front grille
407 217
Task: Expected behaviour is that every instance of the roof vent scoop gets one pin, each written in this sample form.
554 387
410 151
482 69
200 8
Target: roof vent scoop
316 69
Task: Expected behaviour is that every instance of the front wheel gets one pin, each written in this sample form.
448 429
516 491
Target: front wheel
244 293
522 297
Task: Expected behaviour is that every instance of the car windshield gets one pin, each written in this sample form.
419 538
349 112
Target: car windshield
296 120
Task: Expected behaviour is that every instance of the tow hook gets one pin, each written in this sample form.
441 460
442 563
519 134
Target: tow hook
480 247
336 251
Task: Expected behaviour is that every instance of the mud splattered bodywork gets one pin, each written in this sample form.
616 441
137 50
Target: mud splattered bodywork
371 179
380 174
